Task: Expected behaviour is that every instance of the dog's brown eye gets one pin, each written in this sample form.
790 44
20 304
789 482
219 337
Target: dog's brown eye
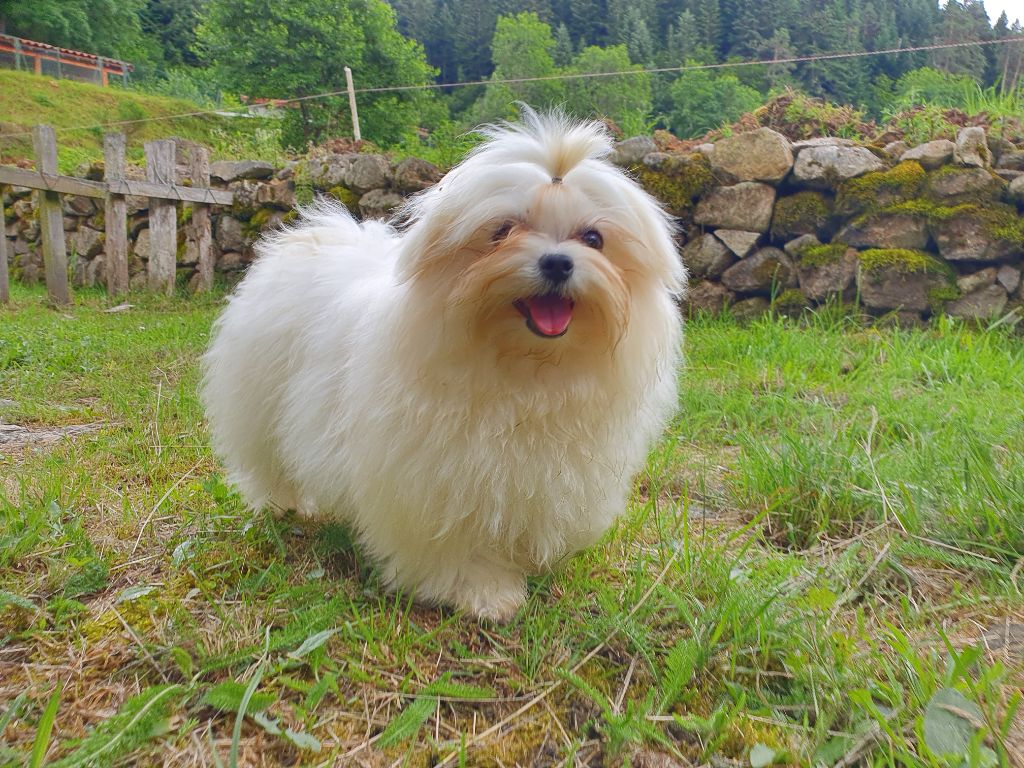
501 232
592 239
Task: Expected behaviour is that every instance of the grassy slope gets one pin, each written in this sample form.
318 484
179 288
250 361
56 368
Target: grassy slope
815 549
28 99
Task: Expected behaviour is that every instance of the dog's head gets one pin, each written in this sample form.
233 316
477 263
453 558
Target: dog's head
537 245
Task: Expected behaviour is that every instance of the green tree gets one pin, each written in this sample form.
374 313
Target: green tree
702 101
300 48
105 27
626 99
523 47
172 23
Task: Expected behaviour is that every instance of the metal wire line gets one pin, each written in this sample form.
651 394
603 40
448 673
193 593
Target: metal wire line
540 78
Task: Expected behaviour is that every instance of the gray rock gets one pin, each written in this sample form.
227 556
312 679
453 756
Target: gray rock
956 185
86 242
983 304
632 150
971 148
246 192
761 155
822 280
895 148
897 287
931 154
746 206
1008 277
279 193
822 141
379 203
1012 160
1007 175
78 205
368 172
95 271
706 257
414 174
141 247
229 233
822 167
70 223
1016 190
22 209
966 238
975 280
762 272
707 149
707 296
230 261
330 170
793 247
886 230
739 242
233 170
746 310
998 146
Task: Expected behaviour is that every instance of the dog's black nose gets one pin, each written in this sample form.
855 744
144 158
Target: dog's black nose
556 267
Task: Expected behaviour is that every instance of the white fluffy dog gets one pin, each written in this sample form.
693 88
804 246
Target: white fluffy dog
473 392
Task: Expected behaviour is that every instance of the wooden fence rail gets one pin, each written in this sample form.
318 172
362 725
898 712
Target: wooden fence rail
159 187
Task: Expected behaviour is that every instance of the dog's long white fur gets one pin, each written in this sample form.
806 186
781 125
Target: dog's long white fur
369 375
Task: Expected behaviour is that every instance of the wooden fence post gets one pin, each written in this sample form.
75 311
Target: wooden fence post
51 218
163 227
5 292
115 216
199 170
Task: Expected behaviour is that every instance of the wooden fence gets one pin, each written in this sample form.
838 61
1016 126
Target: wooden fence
159 187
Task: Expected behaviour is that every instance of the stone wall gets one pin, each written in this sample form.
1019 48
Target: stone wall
763 221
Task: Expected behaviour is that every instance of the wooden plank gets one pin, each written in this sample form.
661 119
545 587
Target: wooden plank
51 218
5 290
115 216
163 225
199 170
52 182
69 185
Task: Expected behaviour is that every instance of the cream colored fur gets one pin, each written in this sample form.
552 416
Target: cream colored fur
385 378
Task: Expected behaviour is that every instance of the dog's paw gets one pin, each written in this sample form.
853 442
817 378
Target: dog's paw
495 600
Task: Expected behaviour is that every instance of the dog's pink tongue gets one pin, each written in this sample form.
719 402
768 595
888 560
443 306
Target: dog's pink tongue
551 313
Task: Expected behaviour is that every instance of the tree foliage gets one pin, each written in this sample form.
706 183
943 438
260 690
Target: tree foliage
300 48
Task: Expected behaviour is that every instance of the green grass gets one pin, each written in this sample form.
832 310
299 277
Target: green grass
30 99
804 572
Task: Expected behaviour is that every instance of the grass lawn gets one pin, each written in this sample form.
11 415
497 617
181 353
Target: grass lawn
822 563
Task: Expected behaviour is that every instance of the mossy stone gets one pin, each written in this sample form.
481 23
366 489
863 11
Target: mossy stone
903 261
873 190
346 197
805 213
678 181
821 255
791 302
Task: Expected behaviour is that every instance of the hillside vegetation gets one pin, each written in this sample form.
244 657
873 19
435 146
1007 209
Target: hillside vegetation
29 99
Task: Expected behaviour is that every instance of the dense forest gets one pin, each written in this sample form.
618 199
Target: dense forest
214 51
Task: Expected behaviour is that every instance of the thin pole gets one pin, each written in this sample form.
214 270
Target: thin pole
352 104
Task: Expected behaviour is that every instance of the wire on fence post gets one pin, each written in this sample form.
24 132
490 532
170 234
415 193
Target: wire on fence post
352 104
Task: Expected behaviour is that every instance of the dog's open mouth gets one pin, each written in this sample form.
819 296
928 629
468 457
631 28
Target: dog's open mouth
547 315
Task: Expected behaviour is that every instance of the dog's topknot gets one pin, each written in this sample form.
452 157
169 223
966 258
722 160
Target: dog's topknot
551 140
